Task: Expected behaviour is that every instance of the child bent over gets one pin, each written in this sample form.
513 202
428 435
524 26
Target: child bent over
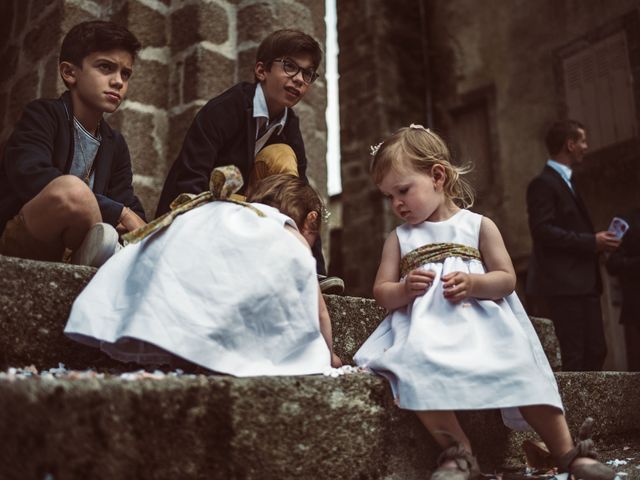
64 170
229 286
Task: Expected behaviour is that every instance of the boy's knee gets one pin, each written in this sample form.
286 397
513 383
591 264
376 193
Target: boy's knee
68 194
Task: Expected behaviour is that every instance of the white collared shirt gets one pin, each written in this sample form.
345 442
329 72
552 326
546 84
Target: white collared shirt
564 171
261 114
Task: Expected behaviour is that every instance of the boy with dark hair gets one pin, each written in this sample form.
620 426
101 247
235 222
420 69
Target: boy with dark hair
64 170
234 127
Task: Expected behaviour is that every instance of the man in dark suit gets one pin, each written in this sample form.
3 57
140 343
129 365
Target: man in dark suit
563 267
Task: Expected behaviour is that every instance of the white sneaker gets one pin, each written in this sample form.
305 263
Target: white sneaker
99 244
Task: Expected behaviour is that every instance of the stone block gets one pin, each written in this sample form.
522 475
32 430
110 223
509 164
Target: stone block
9 61
259 19
43 39
38 7
263 428
22 16
206 75
23 91
73 15
148 24
198 22
51 85
246 65
138 129
7 18
49 289
149 83
148 191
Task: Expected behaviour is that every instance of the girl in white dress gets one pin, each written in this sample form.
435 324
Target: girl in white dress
457 337
229 286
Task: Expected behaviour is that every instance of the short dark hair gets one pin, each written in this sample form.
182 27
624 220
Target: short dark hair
96 36
561 131
283 43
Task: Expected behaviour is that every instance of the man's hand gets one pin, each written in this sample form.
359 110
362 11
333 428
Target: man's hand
335 361
417 282
606 241
129 221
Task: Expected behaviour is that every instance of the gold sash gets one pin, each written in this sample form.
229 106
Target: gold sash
436 252
223 184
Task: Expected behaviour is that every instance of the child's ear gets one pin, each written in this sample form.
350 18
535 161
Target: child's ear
311 221
438 174
68 72
260 70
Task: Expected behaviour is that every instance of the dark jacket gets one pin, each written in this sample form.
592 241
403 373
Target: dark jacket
625 263
224 133
41 149
564 259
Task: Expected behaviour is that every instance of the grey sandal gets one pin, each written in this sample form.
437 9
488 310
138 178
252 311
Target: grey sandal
466 464
585 448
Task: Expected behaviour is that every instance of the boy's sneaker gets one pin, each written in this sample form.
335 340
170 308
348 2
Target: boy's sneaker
99 244
331 285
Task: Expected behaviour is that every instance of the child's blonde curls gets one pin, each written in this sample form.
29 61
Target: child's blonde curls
421 149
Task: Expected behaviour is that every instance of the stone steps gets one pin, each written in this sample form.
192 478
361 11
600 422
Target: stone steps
219 427
212 426
36 297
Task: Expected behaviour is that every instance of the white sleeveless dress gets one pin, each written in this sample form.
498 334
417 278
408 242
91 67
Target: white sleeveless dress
221 287
476 354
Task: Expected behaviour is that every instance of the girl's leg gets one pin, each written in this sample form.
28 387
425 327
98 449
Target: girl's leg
551 425
444 421
456 461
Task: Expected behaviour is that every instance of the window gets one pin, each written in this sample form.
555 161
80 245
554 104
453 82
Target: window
599 91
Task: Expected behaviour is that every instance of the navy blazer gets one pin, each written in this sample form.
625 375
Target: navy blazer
224 133
564 259
41 148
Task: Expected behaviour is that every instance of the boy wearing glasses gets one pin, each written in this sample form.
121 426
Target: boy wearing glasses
251 120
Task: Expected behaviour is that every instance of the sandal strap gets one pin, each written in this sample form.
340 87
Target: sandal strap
584 447
463 459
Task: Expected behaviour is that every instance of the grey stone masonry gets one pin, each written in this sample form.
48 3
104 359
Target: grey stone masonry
36 298
311 427
192 50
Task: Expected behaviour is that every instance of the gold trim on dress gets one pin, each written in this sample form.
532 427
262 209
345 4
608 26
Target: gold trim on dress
436 252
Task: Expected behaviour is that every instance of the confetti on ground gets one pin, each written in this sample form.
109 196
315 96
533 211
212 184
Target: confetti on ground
61 372
337 372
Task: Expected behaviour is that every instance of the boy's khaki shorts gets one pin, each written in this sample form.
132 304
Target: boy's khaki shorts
17 241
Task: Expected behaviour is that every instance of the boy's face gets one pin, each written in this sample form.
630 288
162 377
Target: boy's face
280 89
100 84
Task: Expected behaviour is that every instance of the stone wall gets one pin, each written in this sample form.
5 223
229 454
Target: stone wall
381 89
192 51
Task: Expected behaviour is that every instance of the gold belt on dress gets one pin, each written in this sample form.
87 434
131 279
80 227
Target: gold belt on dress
436 252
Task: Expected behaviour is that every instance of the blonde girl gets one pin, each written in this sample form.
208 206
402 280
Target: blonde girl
457 337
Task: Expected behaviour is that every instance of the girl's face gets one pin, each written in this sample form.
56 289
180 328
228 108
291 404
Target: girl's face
415 196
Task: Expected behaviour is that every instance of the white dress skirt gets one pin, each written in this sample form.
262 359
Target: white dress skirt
221 287
476 354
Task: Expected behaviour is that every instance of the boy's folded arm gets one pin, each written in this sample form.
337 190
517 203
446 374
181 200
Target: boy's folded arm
28 155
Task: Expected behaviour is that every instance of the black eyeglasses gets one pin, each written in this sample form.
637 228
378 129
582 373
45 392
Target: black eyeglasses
291 69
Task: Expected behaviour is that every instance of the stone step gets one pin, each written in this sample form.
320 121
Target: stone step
36 297
221 427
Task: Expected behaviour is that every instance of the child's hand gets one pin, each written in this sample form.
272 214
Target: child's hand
417 282
456 286
335 361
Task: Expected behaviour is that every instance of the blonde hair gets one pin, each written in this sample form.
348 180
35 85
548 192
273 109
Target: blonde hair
421 149
289 194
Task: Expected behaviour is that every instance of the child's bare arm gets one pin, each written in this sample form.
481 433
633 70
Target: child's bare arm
388 290
325 329
500 279
323 313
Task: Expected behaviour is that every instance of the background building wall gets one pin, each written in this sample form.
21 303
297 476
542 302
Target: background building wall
381 88
192 51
